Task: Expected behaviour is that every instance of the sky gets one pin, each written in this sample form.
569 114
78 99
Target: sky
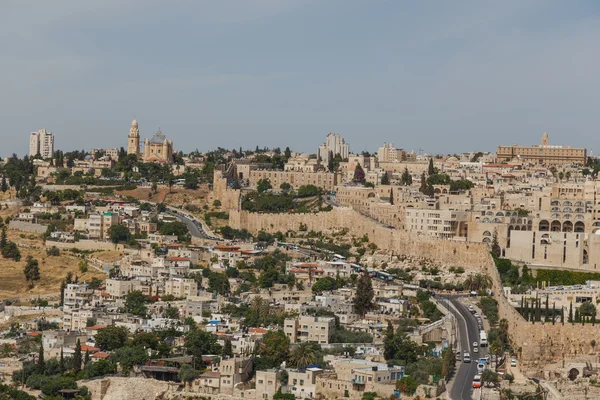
442 76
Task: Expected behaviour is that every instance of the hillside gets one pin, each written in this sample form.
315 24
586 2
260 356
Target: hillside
52 269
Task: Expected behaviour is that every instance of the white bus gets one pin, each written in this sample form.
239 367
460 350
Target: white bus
483 339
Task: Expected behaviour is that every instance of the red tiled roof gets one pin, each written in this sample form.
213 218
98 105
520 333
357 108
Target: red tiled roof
211 374
95 327
34 333
100 354
85 347
177 259
225 247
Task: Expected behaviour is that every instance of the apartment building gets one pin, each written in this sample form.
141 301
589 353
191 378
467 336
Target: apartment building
309 329
181 287
334 145
77 294
42 143
443 224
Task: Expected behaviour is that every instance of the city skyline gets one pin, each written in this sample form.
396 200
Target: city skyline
446 79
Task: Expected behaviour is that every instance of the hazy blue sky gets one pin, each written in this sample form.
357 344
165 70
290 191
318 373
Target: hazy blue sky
445 76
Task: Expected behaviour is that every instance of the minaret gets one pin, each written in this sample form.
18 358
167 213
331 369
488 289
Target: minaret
133 144
545 141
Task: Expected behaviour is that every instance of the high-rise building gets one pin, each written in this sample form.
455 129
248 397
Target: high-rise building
388 153
334 144
133 142
42 143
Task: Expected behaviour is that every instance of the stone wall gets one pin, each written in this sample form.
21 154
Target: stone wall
27 227
540 344
229 198
86 245
472 256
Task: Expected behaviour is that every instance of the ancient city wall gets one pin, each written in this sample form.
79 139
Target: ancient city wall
539 343
472 256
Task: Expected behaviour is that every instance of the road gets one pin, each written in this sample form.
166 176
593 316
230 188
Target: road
194 226
469 333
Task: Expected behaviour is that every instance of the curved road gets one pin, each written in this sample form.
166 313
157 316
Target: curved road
469 333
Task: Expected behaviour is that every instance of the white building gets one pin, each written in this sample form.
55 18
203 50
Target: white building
334 144
42 143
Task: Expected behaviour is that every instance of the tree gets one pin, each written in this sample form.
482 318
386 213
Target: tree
3 185
423 187
188 374
31 270
570 312
407 385
77 357
218 282
587 309
287 153
40 363
477 282
263 185
62 360
392 196
323 285
227 349
363 300
385 179
406 177
199 342
303 355
118 233
490 377
285 187
495 245
135 303
3 239
430 168
274 349
111 337
359 174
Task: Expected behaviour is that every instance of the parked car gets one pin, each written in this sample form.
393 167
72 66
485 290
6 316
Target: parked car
513 362
477 381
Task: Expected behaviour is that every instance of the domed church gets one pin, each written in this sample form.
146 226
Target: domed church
158 149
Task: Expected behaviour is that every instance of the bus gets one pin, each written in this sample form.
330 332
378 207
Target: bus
483 339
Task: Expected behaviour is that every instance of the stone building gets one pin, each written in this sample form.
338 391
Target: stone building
309 329
544 153
157 149
320 179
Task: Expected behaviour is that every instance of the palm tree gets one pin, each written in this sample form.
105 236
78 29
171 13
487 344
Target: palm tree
303 355
478 282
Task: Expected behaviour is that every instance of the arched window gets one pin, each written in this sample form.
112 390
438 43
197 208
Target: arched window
555 226
487 233
544 226
567 203
567 226
499 214
579 226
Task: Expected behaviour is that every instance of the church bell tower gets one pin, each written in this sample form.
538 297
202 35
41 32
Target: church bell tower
133 143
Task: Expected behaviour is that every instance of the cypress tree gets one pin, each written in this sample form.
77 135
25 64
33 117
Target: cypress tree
577 315
392 196
3 239
77 357
546 314
62 361
41 363
4 185
363 300
227 349
570 313
430 169
562 315
553 313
